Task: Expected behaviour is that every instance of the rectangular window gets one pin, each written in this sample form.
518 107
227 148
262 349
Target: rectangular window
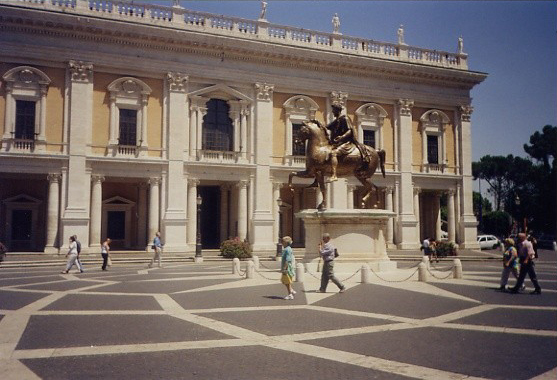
432 149
298 147
369 138
128 127
25 119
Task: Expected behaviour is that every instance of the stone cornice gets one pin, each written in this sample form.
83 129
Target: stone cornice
71 27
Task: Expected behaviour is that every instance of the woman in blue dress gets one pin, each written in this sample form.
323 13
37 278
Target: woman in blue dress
287 267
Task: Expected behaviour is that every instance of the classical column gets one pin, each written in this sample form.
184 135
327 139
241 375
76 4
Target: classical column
389 207
296 221
458 214
142 216
407 219
451 215
469 222
224 212
42 115
244 116
437 206
53 213
75 219
113 127
417 192
96 211
396 209
193 130
154 211
276 196
242 209
144 102
350 196
8 127
192 212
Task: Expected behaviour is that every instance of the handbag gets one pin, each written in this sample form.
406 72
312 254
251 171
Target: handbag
336 253
153 246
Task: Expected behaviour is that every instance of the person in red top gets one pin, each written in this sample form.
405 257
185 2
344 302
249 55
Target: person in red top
526 256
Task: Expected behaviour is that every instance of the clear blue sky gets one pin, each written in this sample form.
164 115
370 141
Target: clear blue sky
515 42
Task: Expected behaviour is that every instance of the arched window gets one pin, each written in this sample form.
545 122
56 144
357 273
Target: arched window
297 109
218 130
369 123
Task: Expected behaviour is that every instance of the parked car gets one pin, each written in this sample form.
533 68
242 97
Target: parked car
547 241
488 241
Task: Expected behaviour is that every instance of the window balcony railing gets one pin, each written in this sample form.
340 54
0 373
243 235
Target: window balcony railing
218 156
295 161
434 168
24 144
128 150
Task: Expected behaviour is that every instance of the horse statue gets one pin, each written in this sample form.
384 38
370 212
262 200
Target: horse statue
318 161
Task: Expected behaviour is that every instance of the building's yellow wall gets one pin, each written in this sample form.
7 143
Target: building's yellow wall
154 116
54 129
450 142
101 111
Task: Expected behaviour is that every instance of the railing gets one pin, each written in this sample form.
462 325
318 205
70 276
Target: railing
127 150
24 144
218 156
433 168
181 18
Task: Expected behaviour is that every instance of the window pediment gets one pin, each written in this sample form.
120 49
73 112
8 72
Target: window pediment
220 91
22 198
434 121
301 105
26 77
129 87
371 112
117 200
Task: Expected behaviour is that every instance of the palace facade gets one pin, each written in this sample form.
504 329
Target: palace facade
116 117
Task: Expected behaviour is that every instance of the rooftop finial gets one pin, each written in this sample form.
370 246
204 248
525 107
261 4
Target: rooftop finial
263 15
400 34
336 24
460 49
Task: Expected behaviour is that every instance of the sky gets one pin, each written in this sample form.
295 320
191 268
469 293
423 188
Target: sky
514 42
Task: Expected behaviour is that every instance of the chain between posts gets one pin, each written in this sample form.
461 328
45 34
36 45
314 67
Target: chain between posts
406 279
439 270
441 278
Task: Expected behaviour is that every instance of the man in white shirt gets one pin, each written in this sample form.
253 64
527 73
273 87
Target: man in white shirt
327 252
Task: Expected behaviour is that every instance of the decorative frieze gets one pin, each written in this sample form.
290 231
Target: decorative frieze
465 112
264 91
405 106
80 71
177 82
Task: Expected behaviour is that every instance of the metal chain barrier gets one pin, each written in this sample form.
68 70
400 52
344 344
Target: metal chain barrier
349 277
441 278
439 270
265 277
383 279
264 266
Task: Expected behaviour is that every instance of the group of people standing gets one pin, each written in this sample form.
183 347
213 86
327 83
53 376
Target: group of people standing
327 252
519 260
74 250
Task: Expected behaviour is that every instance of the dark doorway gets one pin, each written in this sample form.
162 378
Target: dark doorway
210 216
116 225
22 230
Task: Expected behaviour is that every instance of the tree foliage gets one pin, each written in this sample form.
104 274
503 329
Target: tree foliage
525 187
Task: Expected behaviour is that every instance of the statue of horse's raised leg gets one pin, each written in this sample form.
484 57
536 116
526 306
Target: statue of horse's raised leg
301 174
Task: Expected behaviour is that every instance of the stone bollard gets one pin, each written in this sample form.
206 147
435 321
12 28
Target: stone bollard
422 272
256 262
299 272
236 266
250 269
366 274
457 269
425 260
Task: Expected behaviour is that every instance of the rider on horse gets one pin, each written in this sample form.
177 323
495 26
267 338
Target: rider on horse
343 139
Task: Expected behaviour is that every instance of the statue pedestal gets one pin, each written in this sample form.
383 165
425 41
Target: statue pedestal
358 235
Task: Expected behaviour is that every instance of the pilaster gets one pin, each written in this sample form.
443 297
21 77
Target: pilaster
53 214
192 213
154 209
95 213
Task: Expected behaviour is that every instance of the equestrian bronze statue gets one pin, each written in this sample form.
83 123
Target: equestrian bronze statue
339 155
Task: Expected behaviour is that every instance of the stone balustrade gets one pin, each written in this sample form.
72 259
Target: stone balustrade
181 18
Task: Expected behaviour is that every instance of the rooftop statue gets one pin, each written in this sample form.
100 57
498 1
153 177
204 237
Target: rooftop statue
336 23
339 154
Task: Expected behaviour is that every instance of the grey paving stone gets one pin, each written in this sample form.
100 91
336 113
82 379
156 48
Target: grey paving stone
491 295
63 285
520 319
238 363
44 331
385 300
16 300
104 302
159 286
293 321
474 353
22 280
249 296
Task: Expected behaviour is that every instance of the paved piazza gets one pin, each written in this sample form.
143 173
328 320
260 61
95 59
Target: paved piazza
200 321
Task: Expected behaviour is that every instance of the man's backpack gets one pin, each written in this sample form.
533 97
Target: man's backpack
78 246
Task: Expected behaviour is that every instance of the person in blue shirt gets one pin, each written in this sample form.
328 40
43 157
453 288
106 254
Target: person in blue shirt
157 246
287 267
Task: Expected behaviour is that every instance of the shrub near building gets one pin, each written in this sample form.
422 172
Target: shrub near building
233 248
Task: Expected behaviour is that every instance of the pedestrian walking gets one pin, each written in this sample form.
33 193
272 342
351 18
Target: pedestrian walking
510 263
327 251
105 251
157 246
72 256
526 256
287 267
534 242
78 253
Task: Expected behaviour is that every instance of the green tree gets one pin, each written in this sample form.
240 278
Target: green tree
543 146
494 170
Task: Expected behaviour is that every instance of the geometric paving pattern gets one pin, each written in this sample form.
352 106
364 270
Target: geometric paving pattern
200 321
